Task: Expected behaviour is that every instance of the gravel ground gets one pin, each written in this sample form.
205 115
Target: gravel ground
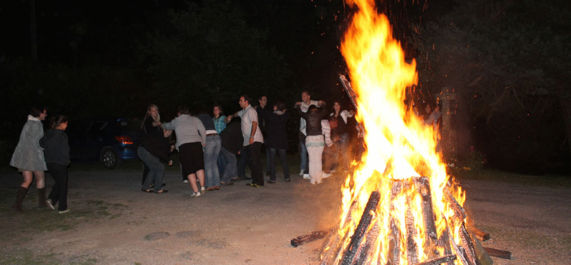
113 222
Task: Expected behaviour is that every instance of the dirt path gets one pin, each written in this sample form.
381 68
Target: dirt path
112 222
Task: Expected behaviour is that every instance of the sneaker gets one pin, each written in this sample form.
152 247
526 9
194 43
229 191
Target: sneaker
325 175
63 211
254 185
301 173
185 181
195 194
202 189
272 181
50 204
287 179
306 176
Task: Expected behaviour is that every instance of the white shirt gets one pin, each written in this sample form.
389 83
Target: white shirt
248 116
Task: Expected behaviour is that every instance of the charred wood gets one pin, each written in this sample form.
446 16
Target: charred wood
479 234
498 253
300 240
439 260
364 223
482 257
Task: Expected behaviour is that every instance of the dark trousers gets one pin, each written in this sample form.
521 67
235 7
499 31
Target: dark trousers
283 159
242 162
254 154
59 190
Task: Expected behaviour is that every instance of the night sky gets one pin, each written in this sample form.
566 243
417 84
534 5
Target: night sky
508 62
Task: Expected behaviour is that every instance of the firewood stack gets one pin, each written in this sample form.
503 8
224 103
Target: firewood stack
442 249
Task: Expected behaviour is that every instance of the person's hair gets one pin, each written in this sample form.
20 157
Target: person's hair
260 97
56 120
219 107
306 92
281 106
147 115
182 109
246 98
312 108
36 111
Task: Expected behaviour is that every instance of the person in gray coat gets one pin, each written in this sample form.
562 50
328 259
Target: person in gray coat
28 158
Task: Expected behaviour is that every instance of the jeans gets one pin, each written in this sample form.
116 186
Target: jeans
303 154
156 169
243 162
212 149
59 190
230 165
254 154
221 163
283 159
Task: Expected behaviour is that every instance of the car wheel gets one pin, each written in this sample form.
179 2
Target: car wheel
109 158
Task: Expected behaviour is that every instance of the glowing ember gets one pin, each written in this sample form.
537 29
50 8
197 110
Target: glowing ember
400 149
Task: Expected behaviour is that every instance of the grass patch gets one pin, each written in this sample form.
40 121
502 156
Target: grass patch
26 257
33 220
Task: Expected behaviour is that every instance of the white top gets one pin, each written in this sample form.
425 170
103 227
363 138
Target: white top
248 116
304 107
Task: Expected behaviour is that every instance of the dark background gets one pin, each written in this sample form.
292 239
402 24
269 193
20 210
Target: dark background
508 63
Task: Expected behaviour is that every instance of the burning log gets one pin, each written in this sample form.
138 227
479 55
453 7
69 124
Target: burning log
359 249
479 234
438 261
330 256
300 240
498 253
364 223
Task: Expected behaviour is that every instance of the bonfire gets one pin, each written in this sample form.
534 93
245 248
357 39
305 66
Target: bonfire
399 205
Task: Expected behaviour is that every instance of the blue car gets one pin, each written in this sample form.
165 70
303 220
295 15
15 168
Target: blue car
109 141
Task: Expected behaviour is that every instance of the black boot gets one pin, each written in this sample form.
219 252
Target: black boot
20 198
42 198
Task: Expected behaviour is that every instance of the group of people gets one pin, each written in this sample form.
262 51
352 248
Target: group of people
37 152
213 149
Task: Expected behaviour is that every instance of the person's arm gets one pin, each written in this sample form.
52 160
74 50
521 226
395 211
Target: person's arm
44 141
201 131
253 131
169 125
236 114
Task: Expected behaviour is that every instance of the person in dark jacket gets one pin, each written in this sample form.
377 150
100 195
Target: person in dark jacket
231 145
276 141
153 151
56 153
315 141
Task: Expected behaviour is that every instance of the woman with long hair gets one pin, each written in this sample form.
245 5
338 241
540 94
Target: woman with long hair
341 122
153 151
28 157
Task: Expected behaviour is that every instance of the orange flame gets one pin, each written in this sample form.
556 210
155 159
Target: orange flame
399 144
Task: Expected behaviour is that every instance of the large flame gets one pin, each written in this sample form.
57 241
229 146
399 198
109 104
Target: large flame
399 145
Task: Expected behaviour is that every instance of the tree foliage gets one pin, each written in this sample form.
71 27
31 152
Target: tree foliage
508 62
209 53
